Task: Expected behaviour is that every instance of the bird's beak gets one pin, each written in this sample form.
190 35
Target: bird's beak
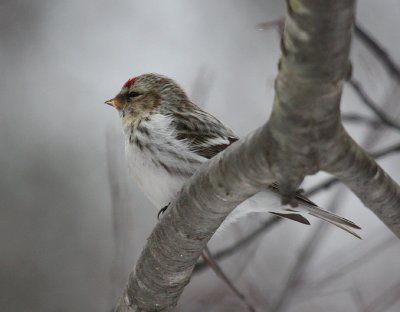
117 103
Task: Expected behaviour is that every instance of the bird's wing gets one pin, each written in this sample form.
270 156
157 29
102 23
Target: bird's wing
204 134
207 136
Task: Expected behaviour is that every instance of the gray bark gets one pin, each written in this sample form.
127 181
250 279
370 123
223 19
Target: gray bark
303 136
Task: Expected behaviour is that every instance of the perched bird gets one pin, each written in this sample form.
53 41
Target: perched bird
167 138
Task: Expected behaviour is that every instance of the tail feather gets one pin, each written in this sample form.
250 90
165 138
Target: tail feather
307 206
326 215
339 225
292 216
263 202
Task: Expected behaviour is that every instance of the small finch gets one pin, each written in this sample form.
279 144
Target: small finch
167 138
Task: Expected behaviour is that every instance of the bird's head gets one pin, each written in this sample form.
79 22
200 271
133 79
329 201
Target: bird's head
145 94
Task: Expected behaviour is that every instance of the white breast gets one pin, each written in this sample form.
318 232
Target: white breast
156 183
159 147
161 186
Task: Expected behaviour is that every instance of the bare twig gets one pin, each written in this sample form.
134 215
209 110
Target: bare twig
353 263
372 105
360 33
208 257
380 52
357 118
243 242
386 151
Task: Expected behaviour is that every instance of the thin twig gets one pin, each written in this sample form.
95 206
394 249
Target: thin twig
243 242
372 105
213 264
360 33
350 117
386 151
379 51
352 264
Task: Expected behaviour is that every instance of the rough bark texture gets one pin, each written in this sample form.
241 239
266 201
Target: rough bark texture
312 70
304 135
369 182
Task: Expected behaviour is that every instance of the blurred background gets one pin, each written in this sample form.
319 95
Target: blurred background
72 223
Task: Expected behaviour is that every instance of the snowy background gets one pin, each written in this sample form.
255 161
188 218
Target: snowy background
72 223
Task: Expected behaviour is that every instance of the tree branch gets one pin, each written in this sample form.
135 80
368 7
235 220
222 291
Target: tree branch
380 52
370 183
372 105
243 242
357 118
360 33
355 262
208 257
303 136
312 69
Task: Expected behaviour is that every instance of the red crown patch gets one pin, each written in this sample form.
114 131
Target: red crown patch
129 82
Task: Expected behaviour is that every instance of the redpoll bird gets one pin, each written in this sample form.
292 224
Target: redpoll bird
167 138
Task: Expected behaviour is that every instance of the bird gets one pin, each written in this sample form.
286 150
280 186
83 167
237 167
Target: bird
167 138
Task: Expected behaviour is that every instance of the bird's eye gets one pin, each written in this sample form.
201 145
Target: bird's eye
133 94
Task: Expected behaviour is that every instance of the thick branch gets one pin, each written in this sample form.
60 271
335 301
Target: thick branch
370 183
312 69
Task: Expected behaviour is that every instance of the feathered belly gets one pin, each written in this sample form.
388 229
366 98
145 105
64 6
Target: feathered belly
156 181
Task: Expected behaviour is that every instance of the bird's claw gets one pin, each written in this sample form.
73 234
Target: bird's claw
161 211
